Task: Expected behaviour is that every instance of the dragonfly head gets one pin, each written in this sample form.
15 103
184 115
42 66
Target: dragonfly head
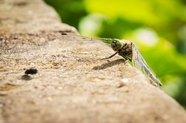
116 45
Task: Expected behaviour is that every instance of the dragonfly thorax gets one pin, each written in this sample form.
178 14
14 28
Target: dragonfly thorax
126 50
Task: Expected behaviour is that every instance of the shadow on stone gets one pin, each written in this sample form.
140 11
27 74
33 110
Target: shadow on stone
26 77
109 64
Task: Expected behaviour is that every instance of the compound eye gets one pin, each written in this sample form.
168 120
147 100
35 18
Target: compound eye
114 45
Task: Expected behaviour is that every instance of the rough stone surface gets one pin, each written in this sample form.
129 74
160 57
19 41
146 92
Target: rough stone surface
72 83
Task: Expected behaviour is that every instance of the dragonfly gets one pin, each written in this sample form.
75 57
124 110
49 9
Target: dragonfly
129 51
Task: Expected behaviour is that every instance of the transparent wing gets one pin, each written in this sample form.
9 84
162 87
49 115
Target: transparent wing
139 63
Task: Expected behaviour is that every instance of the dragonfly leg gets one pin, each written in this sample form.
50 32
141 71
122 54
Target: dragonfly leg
126 59
109 56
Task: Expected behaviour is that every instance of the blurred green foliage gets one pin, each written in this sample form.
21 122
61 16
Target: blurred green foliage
157 27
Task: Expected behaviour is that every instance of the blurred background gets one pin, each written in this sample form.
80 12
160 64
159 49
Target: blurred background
157 27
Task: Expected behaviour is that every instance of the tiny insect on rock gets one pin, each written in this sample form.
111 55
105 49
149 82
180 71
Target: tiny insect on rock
129 51
31 71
